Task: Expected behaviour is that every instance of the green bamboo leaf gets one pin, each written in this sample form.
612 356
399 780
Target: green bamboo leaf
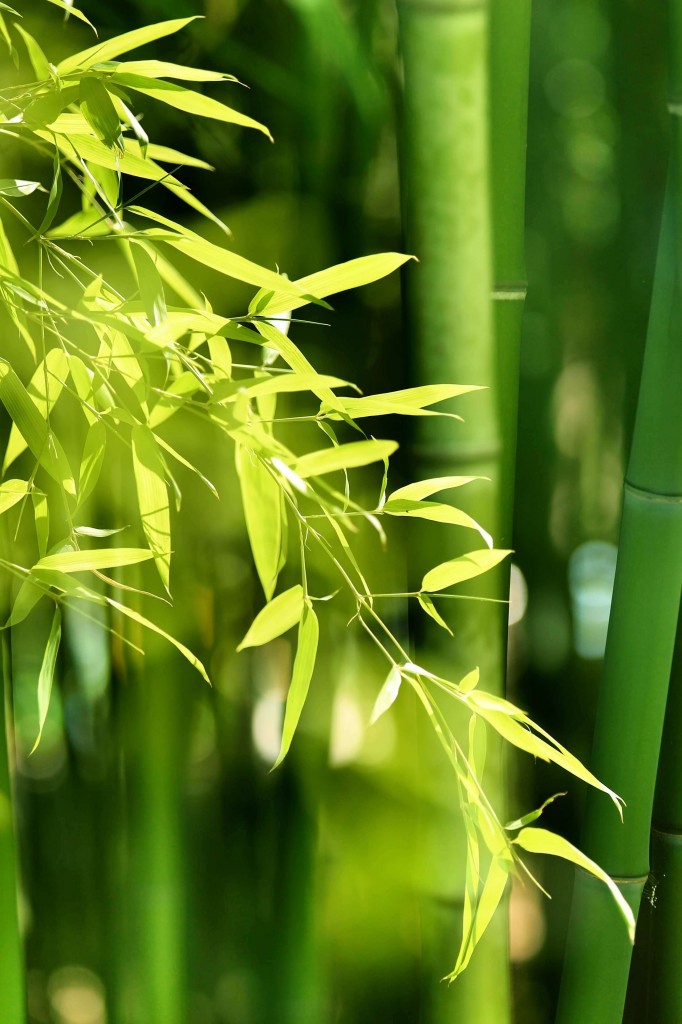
221 357
28 596
44 446
487 904
188 101
345 456
46 675
278 616
117 45
11 492
55 196
165 69
430 609
512 826
425 488
95 531
435 512
98 558
387 694
68 8
466 567
100 113
152 497
126 114
36 56
92 460
304 663
149 282
41 514
340 278
148 624
540 840
470 681
52 371
265 517
16 187
410 402
292 382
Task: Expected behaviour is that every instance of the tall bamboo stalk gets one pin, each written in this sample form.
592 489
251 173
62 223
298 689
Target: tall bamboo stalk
12 988
637 662
447 202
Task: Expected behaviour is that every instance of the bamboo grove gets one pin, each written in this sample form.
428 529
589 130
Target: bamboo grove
115 358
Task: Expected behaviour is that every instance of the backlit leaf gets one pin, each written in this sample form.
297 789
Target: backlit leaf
466 567
11 492
152 497
278 616
46 675
265 517
345 456
98 558
304 663
117 45
435 513
387 694
410 402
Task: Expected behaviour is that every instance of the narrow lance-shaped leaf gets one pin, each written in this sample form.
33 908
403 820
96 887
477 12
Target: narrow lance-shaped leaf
44 445
265 516
15 188
121 44
11 492
47 672
466 567
91 462
410 402
98 558
540 840
421 489
44 389
166 69
387 694
345 456
149 282
278 616
38 59
100 113
304 663
152 497
340 278
435 512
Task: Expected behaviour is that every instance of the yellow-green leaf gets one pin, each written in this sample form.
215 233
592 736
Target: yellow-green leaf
425 488
117 45
265 516
387 694
91 462
410 402
98 558
466 567
435 512
152 497
540 840
100 113
430 609
345 456
304 663
340 278
11 492
46 674
278 616
165 69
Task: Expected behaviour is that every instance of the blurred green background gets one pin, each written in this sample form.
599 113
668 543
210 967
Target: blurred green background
168 877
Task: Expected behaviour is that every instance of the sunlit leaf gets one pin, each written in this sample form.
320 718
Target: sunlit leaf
265 517
387 694
46 674
11 492
117 45
16 188
345 456
540 840
435 513
165 69
430 609
278 616
91 463
410 402
152 497
425 488
466 567
100 113
304 663
99 558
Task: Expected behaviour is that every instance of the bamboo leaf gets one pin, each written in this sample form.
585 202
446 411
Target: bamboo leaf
511 826
540 840
45 447
488 902
148 624
340 278
11 492
92 460
36 56
68 8
152 497
165 69
16 188
100 113
387 694
425 488
430 609
466 567
265 517
410 402
304 663
98 558
46 675
188 101
117 45
435 512
44 388
41 513
278 616
345 456
292 382
149 282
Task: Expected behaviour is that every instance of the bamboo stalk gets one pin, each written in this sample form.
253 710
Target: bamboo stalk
446 195
637 662
12 988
